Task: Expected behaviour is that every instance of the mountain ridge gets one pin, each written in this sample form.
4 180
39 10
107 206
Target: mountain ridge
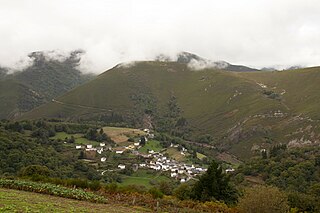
44 79
243 111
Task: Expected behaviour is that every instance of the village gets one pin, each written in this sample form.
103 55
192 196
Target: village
154 160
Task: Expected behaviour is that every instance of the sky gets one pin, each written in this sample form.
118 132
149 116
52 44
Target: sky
256 33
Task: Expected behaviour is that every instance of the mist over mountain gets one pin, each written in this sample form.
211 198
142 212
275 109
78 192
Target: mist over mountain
3 72
52 76
197 63
48 75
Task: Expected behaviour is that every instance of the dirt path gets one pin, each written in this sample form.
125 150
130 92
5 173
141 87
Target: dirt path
80 106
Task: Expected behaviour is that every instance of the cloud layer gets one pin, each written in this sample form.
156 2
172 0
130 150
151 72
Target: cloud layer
258 33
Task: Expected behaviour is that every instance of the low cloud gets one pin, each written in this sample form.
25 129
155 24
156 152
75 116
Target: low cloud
206 64
264 33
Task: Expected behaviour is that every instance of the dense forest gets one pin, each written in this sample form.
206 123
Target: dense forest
27 143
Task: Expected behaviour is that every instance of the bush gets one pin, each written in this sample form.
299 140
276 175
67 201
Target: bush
155 192
35 170
51 189
263 199
183 191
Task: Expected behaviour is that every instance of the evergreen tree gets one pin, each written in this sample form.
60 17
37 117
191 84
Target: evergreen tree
142 141
214 185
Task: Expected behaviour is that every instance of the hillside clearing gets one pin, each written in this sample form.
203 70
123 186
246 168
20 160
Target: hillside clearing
120 135
151 145
143 178
79 138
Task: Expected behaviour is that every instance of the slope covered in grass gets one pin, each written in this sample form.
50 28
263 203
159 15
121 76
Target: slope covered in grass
243 111
16 98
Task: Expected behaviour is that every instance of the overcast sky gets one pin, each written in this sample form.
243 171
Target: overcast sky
257 33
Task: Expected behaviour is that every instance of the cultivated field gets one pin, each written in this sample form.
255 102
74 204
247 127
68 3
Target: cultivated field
121 135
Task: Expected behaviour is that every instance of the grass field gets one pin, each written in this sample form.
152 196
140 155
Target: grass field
200 156
121 135
176 154
79 139
21 201
151 145
143 178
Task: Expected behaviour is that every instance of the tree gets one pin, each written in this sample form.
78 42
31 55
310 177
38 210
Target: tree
33 170
264 154
263 199
72 139
174 109
142 141
183 191
91 134
214 185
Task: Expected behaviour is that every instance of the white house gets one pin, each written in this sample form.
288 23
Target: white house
102 144
173 174
78 147
155 167
119 151
121 166
180 171
89 146
136 144
229 170
103 159
183 180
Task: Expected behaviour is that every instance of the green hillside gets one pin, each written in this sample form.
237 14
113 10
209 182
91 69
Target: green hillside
43 80
16 98
243 111
52 77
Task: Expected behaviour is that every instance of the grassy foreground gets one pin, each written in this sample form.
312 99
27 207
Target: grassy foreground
21 201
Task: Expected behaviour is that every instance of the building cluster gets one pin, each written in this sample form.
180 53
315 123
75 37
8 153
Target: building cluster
178 170
153 160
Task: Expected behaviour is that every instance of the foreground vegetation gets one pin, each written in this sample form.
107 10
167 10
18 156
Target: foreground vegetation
51 189
40 156
22 201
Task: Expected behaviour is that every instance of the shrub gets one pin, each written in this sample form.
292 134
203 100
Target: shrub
155 192
183 191
263 199
51 189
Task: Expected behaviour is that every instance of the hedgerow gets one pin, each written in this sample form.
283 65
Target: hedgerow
51 189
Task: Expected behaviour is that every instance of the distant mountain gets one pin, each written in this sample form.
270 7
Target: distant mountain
44 79
16 98
197 62
296 67
3 72
52 77
268 69
244 112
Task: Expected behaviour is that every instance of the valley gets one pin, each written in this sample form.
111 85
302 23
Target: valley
240 110
153 130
